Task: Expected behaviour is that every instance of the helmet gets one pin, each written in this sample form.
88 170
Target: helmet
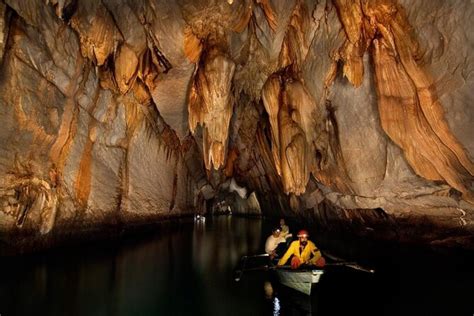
302 233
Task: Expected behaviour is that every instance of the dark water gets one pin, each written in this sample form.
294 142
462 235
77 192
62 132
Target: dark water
187 270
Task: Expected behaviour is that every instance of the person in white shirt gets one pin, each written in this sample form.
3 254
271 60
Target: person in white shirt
285 230
273 242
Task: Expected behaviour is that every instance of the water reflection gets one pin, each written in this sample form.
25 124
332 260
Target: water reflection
225 240
181 271
276 306
294 303
186 269
286 301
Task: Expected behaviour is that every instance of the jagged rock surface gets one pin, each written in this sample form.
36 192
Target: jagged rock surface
347 112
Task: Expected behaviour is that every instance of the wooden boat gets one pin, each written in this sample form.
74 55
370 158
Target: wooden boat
299 280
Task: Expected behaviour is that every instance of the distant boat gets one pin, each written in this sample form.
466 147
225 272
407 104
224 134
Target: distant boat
199 218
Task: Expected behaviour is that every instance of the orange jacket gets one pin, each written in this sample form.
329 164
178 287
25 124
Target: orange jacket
310 253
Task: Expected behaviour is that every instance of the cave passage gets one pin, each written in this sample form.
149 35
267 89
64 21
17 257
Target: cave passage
127 118
354 114
186 269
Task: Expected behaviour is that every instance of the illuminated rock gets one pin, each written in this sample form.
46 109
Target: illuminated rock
121 112
211 105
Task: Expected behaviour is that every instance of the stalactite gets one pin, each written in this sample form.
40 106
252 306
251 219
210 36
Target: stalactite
329 167
126 67
351 16
410 111
269 13
298 37
192 45
271 101
290 107
236 61
243 17
97 32
211 104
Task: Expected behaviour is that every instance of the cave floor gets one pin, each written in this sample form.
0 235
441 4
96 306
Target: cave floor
187 269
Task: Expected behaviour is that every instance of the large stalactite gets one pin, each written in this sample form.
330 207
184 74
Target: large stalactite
211 104
118 112
410 111
290 107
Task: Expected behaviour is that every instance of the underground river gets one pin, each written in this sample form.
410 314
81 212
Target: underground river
186 268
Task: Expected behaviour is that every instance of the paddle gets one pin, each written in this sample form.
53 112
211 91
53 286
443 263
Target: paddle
360 268
239 273
243 262
353 265
255 256
341 262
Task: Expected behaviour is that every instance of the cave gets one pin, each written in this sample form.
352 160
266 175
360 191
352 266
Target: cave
123 119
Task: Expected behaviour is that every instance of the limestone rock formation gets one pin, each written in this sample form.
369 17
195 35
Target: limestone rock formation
355 114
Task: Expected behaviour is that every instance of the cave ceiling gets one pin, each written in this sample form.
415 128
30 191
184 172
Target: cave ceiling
114 110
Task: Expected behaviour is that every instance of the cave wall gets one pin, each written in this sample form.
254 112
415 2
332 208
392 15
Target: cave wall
117 112
80 149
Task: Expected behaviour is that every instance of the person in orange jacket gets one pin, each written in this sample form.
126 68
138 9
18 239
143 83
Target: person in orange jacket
304 252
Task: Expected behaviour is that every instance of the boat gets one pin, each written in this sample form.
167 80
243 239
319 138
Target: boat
299 280
199 218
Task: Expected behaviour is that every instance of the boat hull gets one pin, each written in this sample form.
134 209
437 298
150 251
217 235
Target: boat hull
299 280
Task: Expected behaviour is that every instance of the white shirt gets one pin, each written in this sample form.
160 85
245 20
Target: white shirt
272 243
